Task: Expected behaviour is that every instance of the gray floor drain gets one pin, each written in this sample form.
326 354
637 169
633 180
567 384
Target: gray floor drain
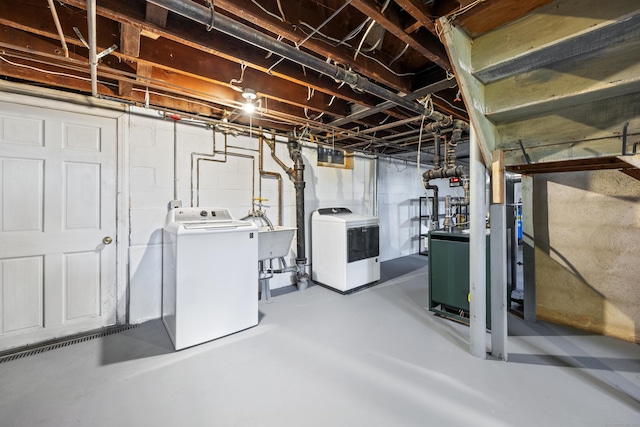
21 352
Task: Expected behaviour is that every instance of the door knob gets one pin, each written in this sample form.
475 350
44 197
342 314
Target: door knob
107 240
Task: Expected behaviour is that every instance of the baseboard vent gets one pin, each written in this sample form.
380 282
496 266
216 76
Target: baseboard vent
19 353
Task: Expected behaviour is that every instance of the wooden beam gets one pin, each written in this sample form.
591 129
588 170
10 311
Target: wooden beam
182 31
491 14
129 40
156 15
248 10
421 12
413 27
125 87
633 173
459 45
576 165
144 71
178 58
632 161
425 43
497 177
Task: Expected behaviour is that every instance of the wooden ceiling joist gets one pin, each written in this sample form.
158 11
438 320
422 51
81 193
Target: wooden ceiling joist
424 43
248 10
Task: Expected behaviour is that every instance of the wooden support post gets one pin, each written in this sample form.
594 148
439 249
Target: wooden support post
129 45
130 40
156 15
497 177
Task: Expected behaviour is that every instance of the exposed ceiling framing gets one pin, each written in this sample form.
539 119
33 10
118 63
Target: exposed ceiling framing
166 60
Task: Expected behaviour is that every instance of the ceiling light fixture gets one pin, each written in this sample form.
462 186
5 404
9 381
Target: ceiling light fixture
249 95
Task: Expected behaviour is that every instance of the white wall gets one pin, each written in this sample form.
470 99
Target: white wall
223 184
146 149
399 189
229 184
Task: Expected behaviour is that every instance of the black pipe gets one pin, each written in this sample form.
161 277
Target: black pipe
443 173
296 174
436 150
210 18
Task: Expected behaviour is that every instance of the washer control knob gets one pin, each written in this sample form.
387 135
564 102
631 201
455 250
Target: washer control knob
204 213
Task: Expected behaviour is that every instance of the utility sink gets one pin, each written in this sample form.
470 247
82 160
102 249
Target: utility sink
274 243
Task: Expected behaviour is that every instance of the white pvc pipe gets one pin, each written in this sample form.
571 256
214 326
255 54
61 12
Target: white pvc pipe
56 21
477 251
93 55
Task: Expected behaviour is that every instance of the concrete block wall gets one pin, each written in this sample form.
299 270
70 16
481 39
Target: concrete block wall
229 184
399 189
587 229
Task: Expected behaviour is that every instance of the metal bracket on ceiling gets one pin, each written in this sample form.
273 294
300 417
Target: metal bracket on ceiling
526 156
105 52
634 148
213 15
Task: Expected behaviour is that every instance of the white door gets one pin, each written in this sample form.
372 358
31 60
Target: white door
57 212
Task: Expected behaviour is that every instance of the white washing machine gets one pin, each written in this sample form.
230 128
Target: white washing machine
210 275
345 249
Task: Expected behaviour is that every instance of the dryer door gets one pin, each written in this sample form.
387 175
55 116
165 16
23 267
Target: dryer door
362 243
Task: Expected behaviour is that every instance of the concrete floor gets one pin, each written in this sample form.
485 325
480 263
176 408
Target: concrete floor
317 358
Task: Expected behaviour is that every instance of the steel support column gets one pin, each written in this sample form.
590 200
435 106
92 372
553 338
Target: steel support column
498 281
477 251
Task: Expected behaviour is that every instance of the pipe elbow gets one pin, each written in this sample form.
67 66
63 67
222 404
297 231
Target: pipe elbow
461 124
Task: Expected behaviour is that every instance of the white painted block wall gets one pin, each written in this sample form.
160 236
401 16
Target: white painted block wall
399 189
229 184
149 142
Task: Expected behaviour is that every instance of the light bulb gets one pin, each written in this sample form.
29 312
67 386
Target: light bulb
249 107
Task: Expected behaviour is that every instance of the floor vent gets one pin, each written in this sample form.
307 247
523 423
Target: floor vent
19 353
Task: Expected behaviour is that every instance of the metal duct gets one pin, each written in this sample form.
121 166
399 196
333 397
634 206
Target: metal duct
212 19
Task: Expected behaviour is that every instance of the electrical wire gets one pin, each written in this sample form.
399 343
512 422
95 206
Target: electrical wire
373 22
55 73
281 12
372 58
233 82
450 104
315 30
279 18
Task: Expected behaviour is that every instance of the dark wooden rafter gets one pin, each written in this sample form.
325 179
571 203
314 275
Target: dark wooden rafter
177 58
74 75
168 61
156 15
421 12
475 19
413 27
424 43
29 43
182 31
247 10
129 45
